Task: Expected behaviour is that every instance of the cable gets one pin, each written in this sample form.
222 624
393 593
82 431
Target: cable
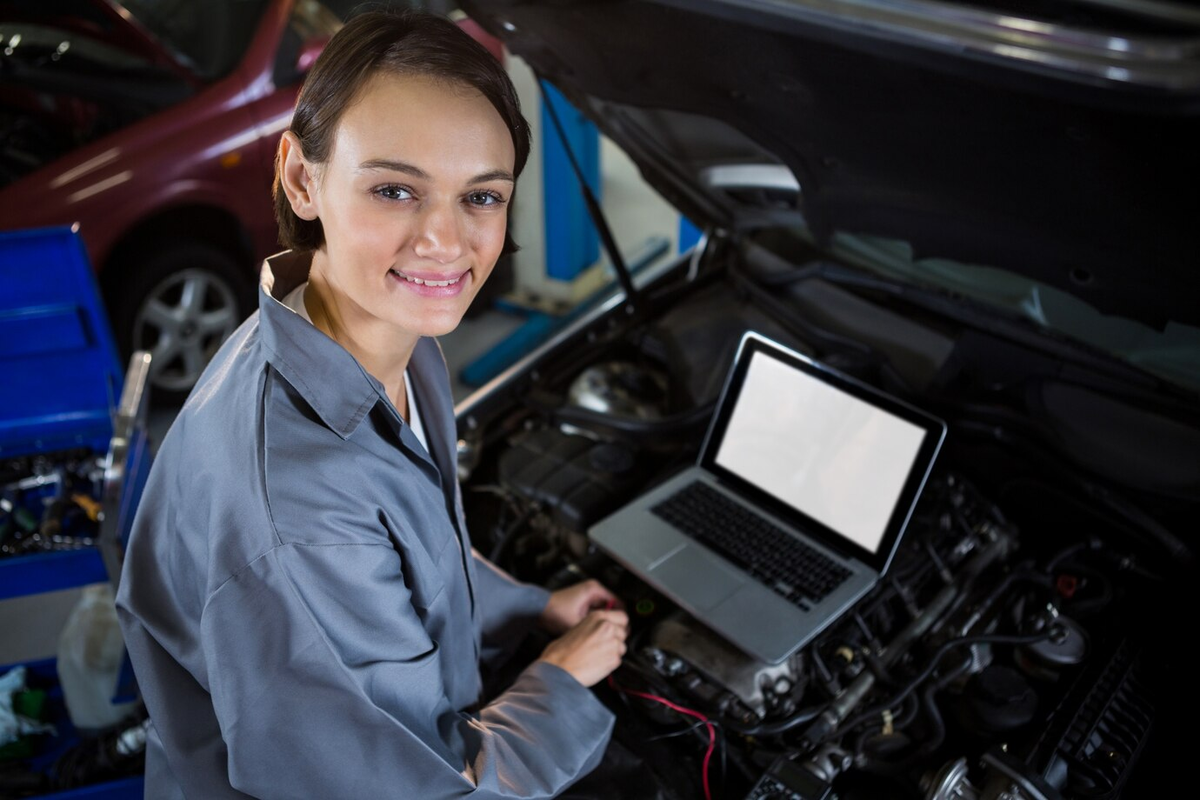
500 551
780 726
946 647
908 713
641 428
682 732
934 739
708 724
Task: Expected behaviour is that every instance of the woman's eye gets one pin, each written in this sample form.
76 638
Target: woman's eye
393 193
484 198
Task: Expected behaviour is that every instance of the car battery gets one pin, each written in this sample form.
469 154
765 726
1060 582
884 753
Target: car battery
74 456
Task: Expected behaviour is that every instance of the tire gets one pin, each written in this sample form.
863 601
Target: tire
179 302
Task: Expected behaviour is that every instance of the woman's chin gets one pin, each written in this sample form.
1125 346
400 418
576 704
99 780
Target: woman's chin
438 324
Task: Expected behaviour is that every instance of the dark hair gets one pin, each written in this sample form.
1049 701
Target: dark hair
401 43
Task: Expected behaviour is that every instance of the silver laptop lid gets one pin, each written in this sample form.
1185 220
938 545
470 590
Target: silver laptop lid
841 460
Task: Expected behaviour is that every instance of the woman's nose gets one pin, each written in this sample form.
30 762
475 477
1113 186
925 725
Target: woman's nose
439 237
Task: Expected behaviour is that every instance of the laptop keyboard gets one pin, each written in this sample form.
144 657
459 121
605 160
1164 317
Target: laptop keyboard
782 563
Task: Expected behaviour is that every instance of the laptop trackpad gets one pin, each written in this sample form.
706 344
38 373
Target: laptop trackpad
698 578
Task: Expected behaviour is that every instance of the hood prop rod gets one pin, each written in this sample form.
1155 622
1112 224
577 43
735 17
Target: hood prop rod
593 207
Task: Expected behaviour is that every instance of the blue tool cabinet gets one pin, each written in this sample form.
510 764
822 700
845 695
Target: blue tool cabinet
63 389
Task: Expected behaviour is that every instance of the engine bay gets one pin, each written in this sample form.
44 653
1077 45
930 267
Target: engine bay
1011 650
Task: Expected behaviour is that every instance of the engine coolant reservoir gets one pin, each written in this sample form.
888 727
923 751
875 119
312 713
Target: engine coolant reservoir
90 650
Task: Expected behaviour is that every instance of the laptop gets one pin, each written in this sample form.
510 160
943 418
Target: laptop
795 508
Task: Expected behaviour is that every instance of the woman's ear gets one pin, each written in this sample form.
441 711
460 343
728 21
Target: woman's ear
295 176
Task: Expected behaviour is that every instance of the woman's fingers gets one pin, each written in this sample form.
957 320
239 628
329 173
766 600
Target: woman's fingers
593 648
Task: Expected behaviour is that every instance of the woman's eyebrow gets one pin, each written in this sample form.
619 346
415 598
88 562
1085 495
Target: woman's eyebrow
417 172
493 175
394 166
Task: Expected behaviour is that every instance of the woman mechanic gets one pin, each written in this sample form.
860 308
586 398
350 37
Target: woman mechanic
300 600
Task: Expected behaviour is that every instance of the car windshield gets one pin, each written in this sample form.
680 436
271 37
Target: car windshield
1172 353
208 37
39 46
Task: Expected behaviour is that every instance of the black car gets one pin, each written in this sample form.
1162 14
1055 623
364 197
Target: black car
986 208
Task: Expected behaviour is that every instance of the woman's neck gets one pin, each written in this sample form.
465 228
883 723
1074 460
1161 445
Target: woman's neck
383 351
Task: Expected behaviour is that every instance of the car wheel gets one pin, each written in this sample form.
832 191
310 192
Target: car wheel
180 304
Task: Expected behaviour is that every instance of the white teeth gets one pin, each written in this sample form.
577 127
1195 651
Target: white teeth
420 282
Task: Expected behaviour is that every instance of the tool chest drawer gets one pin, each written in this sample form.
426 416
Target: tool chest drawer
74 456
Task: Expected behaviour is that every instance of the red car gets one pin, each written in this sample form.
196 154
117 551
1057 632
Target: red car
155 130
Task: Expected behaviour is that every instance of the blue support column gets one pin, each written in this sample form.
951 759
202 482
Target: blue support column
571 241
689 234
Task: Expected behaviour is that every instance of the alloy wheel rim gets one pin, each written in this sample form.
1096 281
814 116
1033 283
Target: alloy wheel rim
182 322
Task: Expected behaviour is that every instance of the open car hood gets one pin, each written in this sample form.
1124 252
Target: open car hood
1060 146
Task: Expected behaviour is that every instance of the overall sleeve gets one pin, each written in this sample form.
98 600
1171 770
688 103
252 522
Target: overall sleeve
508 609
326 684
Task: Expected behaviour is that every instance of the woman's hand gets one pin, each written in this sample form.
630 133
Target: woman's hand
568 607
591 650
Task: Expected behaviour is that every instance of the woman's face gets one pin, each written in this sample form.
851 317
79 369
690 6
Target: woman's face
413 202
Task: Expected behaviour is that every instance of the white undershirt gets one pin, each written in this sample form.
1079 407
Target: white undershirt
295 301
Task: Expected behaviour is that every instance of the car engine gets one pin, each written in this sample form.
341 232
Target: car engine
1014 649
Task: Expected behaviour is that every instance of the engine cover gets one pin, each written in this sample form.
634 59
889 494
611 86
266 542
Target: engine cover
680 638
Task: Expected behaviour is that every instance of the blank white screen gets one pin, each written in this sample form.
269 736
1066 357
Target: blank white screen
837 459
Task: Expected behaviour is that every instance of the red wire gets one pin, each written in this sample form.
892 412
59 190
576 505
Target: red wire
712 737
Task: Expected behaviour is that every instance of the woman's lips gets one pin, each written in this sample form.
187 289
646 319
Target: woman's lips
430 284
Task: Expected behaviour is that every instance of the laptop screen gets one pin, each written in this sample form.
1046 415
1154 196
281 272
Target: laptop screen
825 453
836 458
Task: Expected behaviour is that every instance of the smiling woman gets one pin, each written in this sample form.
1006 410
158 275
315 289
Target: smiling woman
300 573
412 204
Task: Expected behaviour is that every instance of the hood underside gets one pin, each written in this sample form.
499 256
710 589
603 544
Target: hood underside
1064 151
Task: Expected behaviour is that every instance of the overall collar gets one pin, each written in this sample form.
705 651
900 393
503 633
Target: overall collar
325 374
427 368
332 381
